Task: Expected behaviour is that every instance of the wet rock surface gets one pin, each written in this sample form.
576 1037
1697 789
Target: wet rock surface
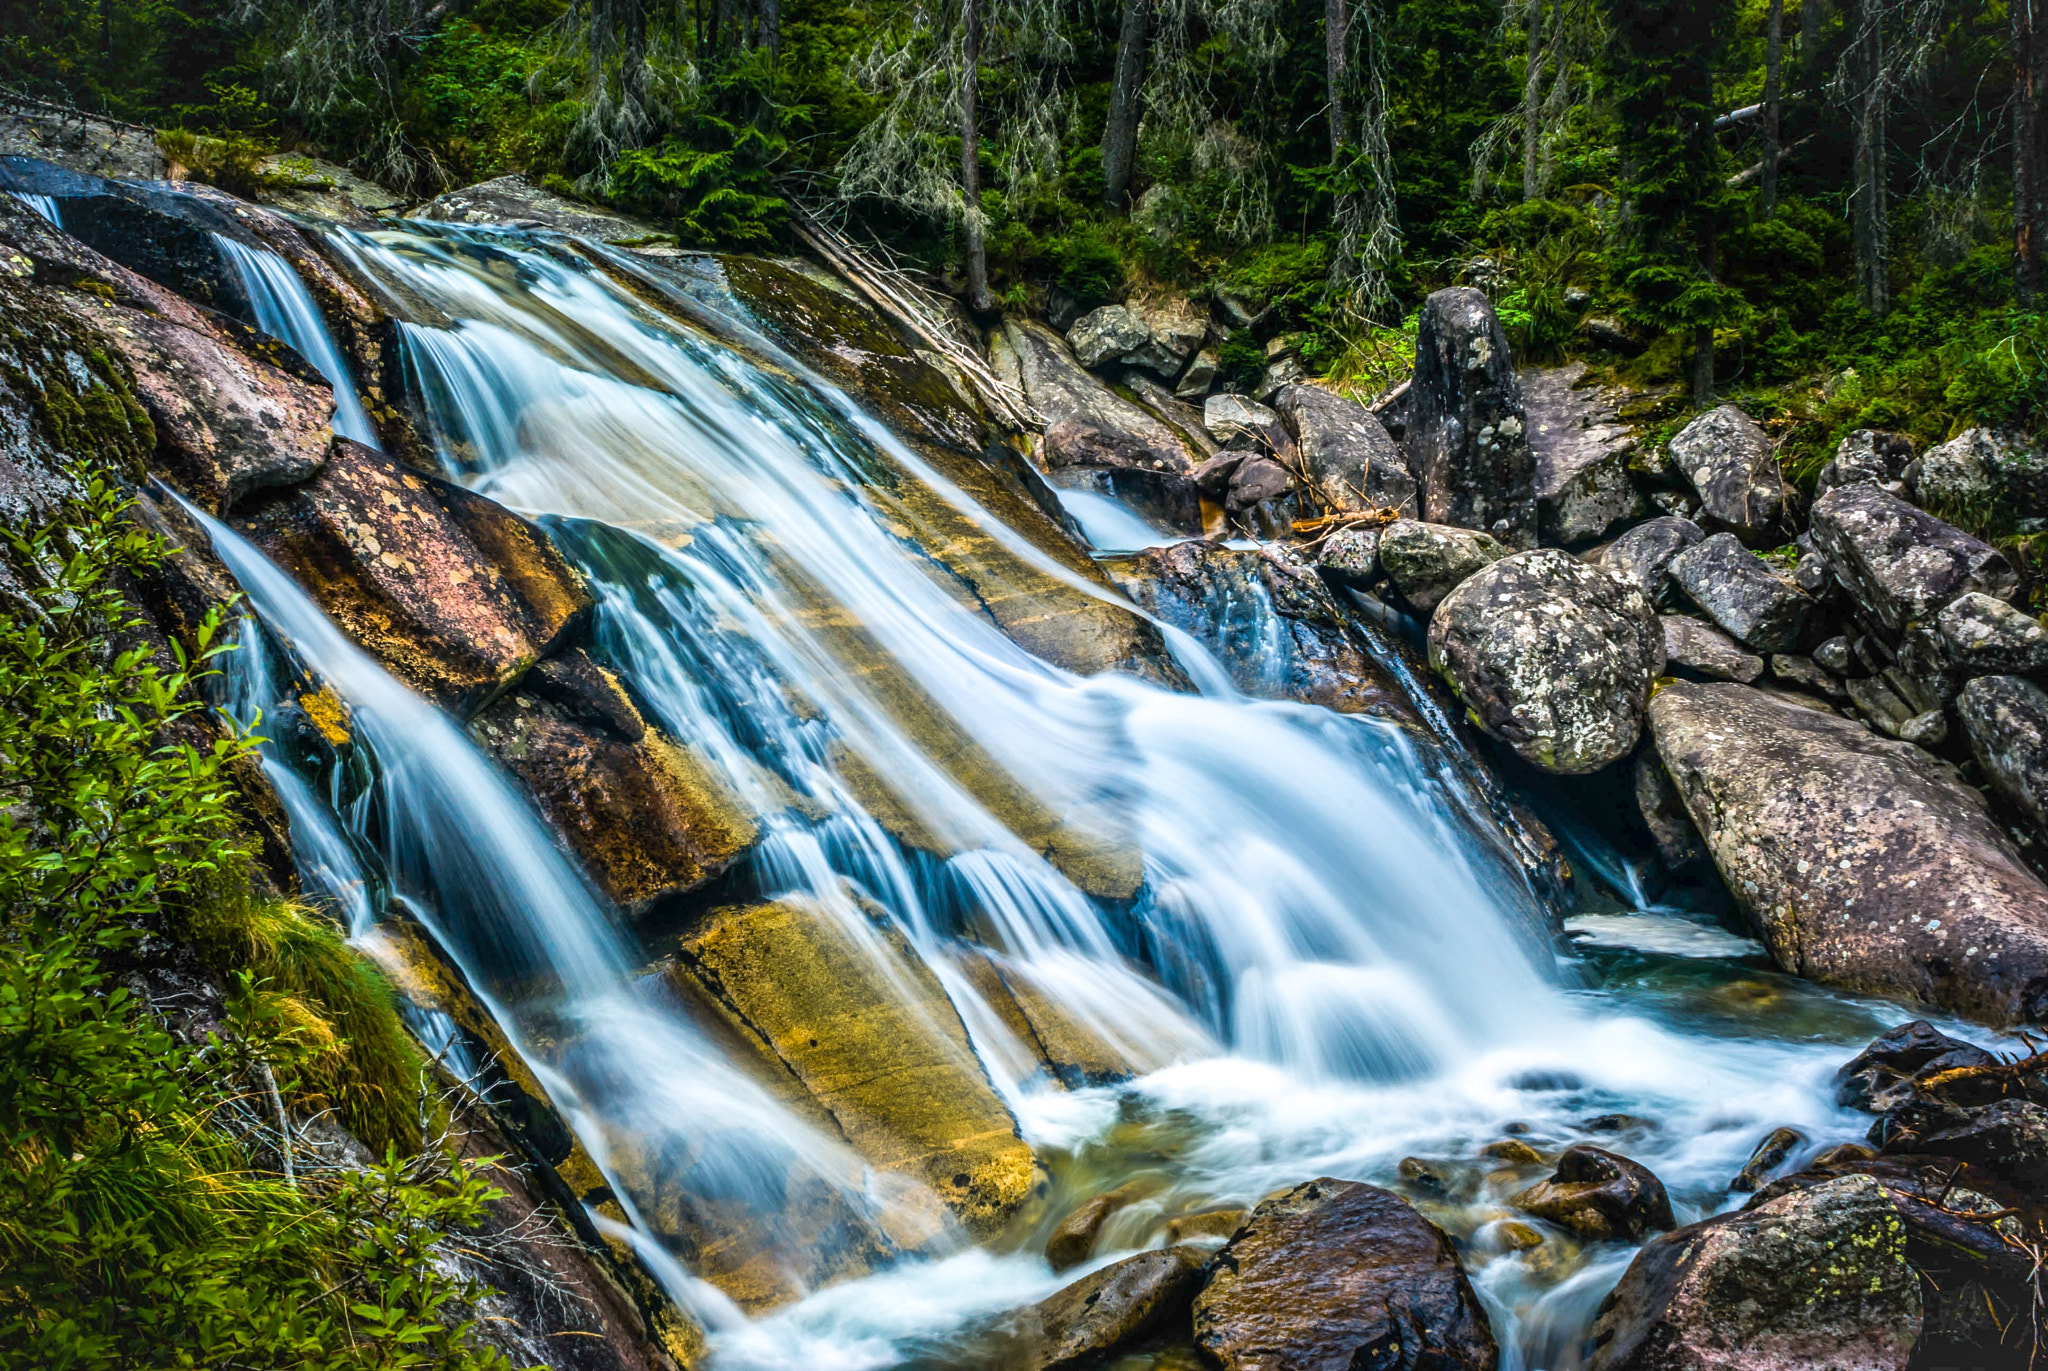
1600 1195
1863 863
1338 1274
1348 457
1551 656
1428 561
1467 438
1812 1279
1732 466
1900 563
1119 1305
1739 592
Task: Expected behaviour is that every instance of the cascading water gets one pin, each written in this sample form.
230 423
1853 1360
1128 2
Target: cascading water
285 310
45 205
1322 973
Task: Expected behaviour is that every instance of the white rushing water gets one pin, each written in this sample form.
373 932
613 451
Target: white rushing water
45 205
1324 972
285 310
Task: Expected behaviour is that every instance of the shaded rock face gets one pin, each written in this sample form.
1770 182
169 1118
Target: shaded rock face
1864 863
2007 720
1738 591
1582 454
1642 555
1696 648
1900 563
1868 454
1884 1073
1816 1280
1551 656
1983 634
1600 1195
1247 425
646 816
1095 439
1346 453
1467 436
1730 463
1267 617
225 420
824 1009
1111 1308
457 595
1662 811
1340 1274
1428 561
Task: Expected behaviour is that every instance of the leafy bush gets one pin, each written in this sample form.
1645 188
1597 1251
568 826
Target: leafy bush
1090 267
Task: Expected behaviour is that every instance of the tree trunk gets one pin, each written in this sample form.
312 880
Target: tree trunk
1703 334
978 297
771 28
1774 62
2029 147
1120 137
1532 101
1337 56
1868 221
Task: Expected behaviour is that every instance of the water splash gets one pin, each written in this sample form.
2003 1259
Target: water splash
285 310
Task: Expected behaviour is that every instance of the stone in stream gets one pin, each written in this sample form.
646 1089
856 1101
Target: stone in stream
1768 1156
2007 1138
1427 561
1815 1280
1705 651
1467 438
1551 656
518 200
1347 456
1073 1239
1581 450
1662 811
1059 1042
1863 863
2006 718
1733 467
1737 590
1868 454
1899 563
1642 555
1980 634
1097 440
1351 556
1600 1195
1897 1060
1338 1274
1119 1305
455 594
860 1036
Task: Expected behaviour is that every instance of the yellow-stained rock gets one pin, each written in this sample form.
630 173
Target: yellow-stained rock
1073 1053
864 1027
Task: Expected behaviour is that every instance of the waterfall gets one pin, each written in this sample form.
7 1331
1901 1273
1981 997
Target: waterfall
1322 971
45 205
285 310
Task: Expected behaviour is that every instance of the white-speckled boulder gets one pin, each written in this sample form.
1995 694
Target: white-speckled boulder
1900 563
1551 656
1731 464
1468 439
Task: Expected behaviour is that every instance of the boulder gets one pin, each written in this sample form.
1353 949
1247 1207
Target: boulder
1095 439
1351 556
1267 617
1174 330
1767 1157
1073 1238
1599 1195
1345 452
1550 656
521 202
1428 561
1246 425
1899 563
1738 591
1705 652
1973 473
2007 1138
1886 1073
1642 555
1835 654
1863 863
1467 436
2006 718
1115 1307
1280 373
1987 635
455 594
1104 335
1731 464
1194 383
852 1020
1338 1274
1868 454
1662 812
1804 673
1582 454
1816 1280
1257 497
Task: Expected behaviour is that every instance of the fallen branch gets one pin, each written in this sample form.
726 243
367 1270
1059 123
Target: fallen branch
1748 174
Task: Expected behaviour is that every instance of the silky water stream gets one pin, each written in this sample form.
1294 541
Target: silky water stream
1325 970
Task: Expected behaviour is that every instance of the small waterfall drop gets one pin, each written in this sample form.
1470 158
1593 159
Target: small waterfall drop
45 205
285 310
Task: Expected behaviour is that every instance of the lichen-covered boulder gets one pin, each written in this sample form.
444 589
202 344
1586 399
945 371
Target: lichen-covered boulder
1346 453
1971 472
1103 335
1863 863
1115 1307
863 1030
1582 454
1695 647
1600 1195
1987 635
2007 720
1815 1280
1237 422
1900 563
1868 454
1731 464
1550 656
1738 591
1467 437
1428 561
1351 556
1341 1274
1642 555
1174 329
